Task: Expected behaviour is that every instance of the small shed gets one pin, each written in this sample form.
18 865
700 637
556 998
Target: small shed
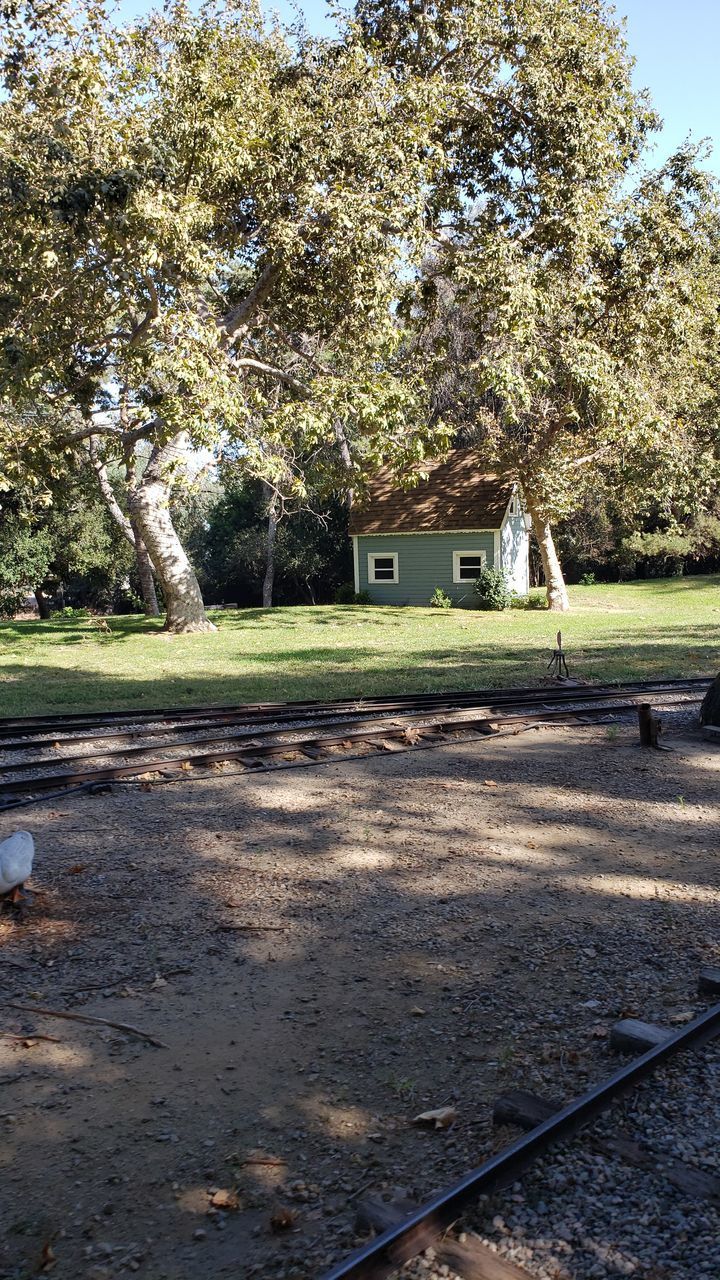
439 533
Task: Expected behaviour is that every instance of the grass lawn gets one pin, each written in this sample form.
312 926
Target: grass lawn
635 629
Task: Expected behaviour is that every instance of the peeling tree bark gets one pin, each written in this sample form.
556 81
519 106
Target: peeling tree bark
150 510
129 532
557 594
269 579
145 574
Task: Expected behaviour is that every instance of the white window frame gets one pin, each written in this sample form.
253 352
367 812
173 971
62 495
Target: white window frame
457 556
382 555
515 509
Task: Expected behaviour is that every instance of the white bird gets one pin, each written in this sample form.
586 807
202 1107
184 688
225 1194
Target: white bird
16 859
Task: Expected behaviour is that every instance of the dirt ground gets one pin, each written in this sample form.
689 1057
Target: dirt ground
325 953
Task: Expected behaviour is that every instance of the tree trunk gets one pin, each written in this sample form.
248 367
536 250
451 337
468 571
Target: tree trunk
269 579
150 510
346 459
710 710
145 574
557 595
129 531
43 604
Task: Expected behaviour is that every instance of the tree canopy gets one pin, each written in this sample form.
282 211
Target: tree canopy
202 229
316 255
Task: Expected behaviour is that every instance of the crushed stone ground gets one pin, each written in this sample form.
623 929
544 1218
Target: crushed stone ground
326 953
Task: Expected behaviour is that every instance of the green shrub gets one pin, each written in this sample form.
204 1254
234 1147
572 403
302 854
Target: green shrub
346 594
440 599
493 590
70 612
588 580
534 600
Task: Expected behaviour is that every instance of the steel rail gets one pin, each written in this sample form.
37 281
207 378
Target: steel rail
261 746
255 713
419 707
389 1251
61 722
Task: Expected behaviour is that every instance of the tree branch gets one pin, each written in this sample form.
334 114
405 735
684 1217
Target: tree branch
151 313
108 494
235 321
124 437
294 346
247 362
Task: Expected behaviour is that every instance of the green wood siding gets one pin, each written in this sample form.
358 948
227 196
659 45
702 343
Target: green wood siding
425 561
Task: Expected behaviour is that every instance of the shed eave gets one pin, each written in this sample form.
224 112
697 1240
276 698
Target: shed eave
414 533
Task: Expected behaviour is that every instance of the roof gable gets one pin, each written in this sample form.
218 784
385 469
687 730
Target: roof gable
459 493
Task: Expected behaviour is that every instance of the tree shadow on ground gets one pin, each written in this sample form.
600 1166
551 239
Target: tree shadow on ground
327 952
325 672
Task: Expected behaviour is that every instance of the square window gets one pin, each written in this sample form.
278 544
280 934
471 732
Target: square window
383 567
467 565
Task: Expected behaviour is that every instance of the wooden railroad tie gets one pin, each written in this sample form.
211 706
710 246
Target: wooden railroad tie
526 1110
470 1258
709 981
630 1035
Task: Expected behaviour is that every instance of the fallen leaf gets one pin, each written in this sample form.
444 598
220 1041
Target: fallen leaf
158 983
225 1200
686 1016
489 782
417 1012
47 1258
442 1118
282 1218
77 868
412 736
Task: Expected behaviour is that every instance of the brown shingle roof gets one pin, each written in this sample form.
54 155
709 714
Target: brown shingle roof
459 493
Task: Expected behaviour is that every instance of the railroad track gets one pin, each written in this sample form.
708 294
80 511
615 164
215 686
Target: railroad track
417 1230
104 722
355 726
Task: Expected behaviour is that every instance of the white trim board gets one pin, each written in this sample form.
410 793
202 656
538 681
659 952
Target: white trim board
356 563
372 556
480 555
429 533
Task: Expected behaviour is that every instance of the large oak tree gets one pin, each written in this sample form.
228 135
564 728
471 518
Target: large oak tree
202 224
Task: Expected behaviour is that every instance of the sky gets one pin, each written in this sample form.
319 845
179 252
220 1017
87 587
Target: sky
676 45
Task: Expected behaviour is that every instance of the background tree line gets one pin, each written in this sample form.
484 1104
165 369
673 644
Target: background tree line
307 257
72 554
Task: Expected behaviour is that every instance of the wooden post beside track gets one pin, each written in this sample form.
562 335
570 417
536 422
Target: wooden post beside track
649 725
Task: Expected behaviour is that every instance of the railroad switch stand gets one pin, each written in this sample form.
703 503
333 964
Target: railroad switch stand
557 663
